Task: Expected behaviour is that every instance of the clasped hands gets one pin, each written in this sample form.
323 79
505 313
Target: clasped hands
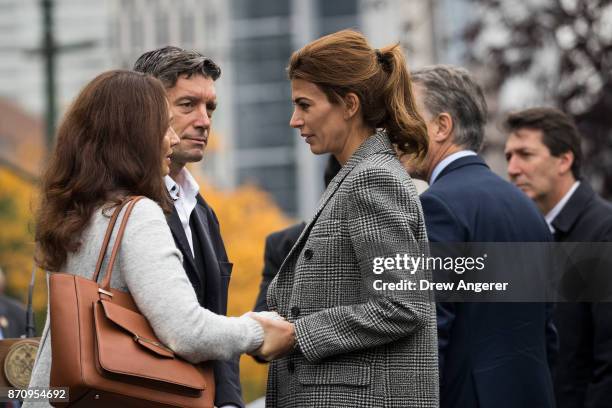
279 336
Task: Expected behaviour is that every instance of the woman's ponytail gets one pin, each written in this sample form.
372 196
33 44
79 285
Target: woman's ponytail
404 125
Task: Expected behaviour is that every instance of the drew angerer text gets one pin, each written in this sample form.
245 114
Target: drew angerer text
424 284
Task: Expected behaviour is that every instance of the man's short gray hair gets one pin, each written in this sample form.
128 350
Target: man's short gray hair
453 90
169 63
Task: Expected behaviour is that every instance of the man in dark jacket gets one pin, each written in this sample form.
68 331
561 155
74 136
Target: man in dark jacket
189 78
544 157
279 243
12 314
491 354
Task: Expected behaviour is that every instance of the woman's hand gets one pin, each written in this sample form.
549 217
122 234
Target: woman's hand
279 338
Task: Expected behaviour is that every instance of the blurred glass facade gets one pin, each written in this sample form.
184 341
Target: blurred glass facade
262 40
251 40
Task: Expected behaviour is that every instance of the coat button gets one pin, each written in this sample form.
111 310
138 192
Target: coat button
291 367
308 254
295 311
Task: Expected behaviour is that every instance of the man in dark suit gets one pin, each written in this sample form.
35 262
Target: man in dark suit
189 77
12 318
279 243
12 324
491 354
12 314
544 157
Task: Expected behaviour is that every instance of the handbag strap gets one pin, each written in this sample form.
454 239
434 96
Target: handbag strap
129 202
107 236
105 285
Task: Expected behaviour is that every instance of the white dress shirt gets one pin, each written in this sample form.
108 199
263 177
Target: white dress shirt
552 214
448 160
183 192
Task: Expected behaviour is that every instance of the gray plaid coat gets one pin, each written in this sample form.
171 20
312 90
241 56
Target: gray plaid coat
357 347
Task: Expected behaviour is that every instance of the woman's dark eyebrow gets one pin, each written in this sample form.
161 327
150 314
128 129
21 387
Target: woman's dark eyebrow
301 99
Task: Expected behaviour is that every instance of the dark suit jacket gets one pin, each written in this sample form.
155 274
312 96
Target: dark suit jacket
491 354
12 317
278 245
211 285
583 375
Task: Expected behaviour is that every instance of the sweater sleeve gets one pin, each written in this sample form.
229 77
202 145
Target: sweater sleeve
151 267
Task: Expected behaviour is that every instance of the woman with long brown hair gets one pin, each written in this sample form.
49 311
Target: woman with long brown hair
115 141
361 338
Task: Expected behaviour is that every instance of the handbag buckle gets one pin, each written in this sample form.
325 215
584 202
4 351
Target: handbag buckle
137 338
105 292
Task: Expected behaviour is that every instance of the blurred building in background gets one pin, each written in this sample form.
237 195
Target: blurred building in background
81 33
252 42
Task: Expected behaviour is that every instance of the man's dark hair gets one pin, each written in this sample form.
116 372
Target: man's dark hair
169 63
559 133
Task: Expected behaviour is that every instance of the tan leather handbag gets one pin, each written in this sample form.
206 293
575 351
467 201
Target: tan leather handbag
106 352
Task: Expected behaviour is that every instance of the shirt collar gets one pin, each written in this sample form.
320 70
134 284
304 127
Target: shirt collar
187 183
184 182
172 187
552 214
448 160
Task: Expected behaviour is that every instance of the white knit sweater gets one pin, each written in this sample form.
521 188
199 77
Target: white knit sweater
149 266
